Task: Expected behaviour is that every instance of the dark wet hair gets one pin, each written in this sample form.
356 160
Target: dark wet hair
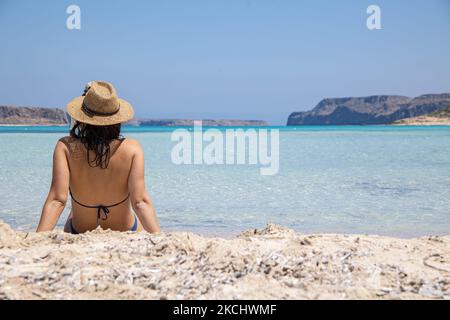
96 139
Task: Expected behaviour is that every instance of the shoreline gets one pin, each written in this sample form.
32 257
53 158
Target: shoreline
230 233
402 124
269 263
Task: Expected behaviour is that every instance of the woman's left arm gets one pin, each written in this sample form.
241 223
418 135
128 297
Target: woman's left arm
57 196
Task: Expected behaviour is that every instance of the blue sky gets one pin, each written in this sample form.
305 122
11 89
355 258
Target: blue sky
222 59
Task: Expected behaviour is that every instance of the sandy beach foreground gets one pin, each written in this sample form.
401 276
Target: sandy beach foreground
272 263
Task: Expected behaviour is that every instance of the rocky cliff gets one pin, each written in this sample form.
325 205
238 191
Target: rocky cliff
369 110
10 115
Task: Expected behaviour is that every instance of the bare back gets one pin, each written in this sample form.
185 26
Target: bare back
122 182
93 186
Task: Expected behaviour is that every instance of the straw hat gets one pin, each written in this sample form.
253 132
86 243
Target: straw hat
100 106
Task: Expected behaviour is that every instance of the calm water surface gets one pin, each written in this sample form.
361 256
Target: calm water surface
378 180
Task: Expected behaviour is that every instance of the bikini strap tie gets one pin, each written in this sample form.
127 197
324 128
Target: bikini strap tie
100 208
105 212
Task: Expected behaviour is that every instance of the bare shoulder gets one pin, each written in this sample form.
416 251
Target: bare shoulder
132 145
65 139
64 143
69 144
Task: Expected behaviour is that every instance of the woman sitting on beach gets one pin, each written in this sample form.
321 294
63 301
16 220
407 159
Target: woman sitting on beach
103 172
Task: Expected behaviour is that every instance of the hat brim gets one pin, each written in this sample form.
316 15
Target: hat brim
124 114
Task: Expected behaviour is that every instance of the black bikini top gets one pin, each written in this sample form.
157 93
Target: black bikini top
99 208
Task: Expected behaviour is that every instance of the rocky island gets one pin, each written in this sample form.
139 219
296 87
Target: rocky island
29 116
383 109
190 122
11 115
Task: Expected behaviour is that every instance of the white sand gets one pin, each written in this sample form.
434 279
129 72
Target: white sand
273 263
423 121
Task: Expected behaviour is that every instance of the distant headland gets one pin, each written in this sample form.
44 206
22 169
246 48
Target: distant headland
29 116
11 115
190 122
383 109
428 109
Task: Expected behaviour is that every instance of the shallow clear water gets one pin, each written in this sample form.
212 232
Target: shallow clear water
378 180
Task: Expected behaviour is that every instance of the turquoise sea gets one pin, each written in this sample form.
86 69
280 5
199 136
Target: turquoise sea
350 179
